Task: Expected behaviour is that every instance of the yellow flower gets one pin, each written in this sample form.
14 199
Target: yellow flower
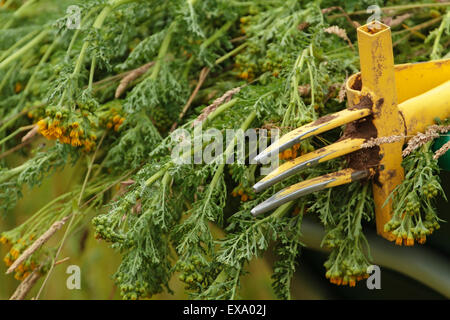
244 75
4 240
88 145
19 276
58 132
20 268
410 241
116 118
75 142
43 132
7 261
18 87
55 123
74 134
336 280
352 282
14 253
65 139
42 124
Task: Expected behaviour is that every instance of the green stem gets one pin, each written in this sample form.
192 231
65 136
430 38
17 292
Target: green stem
158 174
188 68
235 283
12 135
294 84
80 59
115 3
18 44
91 74
98 23
228 151
282 210
13 172
163 51
77 32
86 178
220 110
359 211
18 13
44 58
7 75
30 82
216 35
55 257
434 52
19 53
46 207
231 53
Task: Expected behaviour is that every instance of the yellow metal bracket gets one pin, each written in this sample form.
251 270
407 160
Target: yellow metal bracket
378 82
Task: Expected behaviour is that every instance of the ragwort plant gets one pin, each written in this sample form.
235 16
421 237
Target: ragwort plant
62 85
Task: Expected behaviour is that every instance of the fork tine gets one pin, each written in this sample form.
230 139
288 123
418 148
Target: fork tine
320 125
291 167
306 187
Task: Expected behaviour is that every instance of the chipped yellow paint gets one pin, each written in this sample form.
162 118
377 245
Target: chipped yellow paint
378 81
319 126
329 152
335 179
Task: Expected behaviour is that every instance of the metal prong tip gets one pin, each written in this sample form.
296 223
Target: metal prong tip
258 187
267 205
261 157
256 211
266 183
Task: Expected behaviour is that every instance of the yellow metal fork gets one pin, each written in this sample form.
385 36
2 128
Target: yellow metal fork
384 100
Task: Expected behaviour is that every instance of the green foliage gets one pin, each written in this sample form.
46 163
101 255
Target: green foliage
166 219
31 173
415 217
344 235
289 248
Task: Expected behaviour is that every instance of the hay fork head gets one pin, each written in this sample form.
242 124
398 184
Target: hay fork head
383 100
